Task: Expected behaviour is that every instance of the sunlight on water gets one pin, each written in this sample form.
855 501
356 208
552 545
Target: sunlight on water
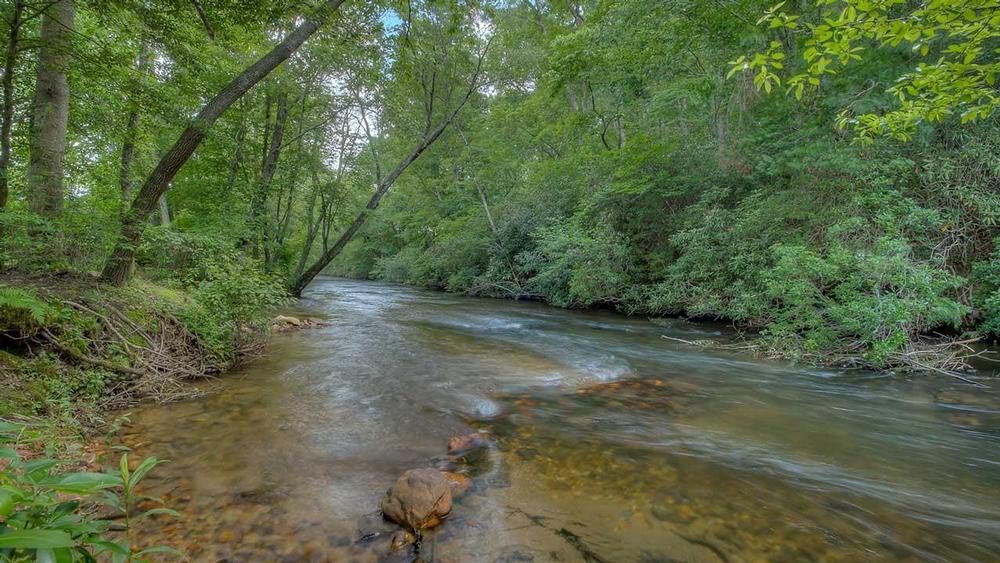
610 443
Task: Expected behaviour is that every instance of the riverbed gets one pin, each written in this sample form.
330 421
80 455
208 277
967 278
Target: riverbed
608 443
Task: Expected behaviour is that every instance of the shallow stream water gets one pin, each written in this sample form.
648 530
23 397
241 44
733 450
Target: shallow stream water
609 443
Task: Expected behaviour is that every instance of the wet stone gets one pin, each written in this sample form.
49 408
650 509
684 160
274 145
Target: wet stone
462 444
460 484
419 499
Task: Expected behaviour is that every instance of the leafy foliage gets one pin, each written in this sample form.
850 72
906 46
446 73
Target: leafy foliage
987 274
956 40
632 173
51 515
618 154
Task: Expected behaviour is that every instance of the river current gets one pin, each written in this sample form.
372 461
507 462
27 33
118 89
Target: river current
609 442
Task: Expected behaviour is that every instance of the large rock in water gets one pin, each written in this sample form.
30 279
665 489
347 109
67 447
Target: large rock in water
418 500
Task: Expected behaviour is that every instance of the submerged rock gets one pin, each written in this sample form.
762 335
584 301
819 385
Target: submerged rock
419 499
460 484
372 528
645 394
459 444
283 323
449 463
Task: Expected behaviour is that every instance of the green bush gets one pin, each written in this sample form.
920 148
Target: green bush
577 267
184 257
29 242
225 291
873 300
987 296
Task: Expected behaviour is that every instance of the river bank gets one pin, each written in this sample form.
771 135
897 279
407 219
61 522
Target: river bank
74 351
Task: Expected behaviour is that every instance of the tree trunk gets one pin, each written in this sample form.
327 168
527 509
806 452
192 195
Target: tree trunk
131 130
50 111
312 227
164 211
118 266
8 99
234 165
479 188
204 19
258 207
286 200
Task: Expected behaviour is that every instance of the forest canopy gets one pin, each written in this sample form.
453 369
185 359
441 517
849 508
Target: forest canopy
824 173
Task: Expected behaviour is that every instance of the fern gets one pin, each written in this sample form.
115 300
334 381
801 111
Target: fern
23 310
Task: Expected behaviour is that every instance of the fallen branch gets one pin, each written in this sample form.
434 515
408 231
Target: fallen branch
82 358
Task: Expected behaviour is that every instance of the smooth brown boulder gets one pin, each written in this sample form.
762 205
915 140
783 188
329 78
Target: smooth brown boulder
418 500
468 442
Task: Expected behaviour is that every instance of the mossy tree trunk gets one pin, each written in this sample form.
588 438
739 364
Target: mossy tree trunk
50 110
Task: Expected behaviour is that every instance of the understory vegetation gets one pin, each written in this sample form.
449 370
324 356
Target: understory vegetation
72 349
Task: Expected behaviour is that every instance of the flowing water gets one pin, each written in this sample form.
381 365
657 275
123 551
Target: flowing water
609 443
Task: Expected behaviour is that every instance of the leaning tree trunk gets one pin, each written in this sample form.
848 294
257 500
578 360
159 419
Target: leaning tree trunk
384 184
8 99
118 266
50 111
380 190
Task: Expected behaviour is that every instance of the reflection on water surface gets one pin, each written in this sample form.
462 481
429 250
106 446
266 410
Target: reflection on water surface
610 444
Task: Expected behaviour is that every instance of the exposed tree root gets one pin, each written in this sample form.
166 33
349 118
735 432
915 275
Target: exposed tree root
153 358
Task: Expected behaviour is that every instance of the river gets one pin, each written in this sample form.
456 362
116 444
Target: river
609 443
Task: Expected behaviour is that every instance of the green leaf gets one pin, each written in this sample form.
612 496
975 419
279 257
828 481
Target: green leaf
39 469
140 472
6 504
61 555
123 468
10 427
84 483
102 546
155 511
35 539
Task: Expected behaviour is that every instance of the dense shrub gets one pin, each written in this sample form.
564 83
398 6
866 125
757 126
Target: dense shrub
576 267
987 296
29 242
